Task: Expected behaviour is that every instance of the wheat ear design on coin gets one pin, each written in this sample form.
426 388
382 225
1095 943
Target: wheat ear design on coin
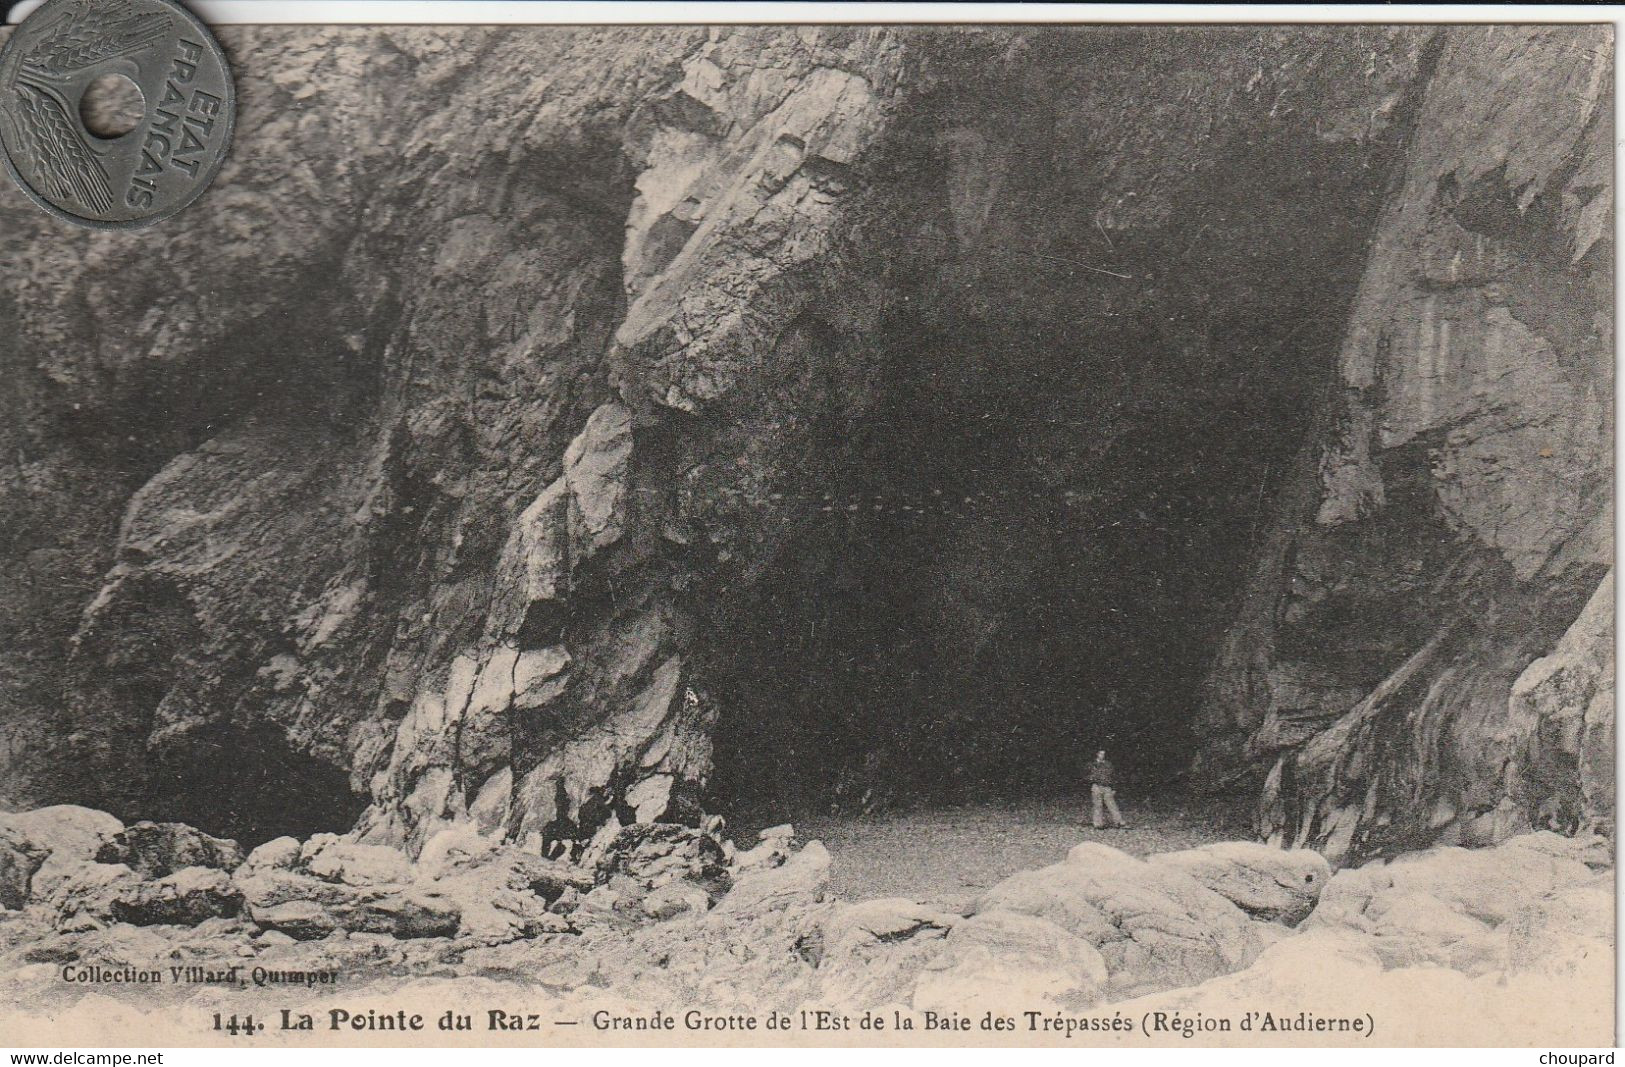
63 163
75 42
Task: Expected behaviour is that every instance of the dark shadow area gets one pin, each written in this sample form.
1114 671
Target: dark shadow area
1001 588
248 784
1036 541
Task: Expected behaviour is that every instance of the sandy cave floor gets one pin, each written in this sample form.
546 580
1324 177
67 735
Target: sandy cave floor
947 856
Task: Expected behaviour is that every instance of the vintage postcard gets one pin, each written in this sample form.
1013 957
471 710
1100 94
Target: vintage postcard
823 534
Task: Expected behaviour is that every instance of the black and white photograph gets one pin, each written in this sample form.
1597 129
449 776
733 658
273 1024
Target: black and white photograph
1031 532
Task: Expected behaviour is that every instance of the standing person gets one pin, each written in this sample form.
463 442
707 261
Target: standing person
1103 792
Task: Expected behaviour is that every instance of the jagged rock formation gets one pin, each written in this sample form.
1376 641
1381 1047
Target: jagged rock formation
1452 513
522 426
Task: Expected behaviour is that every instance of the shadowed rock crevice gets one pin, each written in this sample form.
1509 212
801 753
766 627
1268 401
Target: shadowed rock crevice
250 784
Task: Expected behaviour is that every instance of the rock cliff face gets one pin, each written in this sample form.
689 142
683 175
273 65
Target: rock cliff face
531 423
1452 513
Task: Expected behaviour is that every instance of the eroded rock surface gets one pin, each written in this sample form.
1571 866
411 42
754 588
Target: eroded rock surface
1452 906
1265 882
1450 515
431 480
1157 926
1448 946
873 952
1007 961
154 850
39 848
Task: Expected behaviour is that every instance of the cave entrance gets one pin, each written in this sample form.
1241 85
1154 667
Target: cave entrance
1083 412
1039 534
1018 569
249 784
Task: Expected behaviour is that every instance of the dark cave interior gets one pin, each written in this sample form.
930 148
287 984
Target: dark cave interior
1038 537
1002 588
248 784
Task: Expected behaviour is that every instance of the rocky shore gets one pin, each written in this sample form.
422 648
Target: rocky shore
111 921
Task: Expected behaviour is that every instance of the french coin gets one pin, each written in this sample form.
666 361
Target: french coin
114 179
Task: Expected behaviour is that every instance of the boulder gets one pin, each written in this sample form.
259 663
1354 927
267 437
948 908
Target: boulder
186 897
1279 885
1157 927
1008 962
334 860
873 951
549 879
756 950
305 907
279 852
67 834
676 899
773 847
653 854
1445 906
449 857
157 849
84 895
782 834
503 895
600 904
406 914
797 883
299 920
92 895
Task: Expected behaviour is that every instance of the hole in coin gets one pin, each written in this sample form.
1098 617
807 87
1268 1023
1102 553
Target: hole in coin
112 106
